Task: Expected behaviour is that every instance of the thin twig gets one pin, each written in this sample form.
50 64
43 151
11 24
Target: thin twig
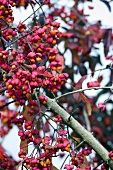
64 162
82 90
98 165
49 122
10 103
31 15
40 7
7 104
33 9
3 89
79 145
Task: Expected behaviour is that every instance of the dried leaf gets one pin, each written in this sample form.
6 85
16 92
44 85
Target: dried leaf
85 163
87 103
25 113
76 139
18 166
29 96
75 57
24 145
79 83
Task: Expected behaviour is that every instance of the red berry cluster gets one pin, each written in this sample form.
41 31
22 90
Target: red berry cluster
35 48
19 121
28 135
7 120
43 159
104 167
78 159
69 167
43 99
9 34
93 84
101 106
8 162
111 155
24 81
6 11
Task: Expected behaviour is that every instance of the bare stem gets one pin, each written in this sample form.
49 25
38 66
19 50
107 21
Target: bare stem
82 90
31 14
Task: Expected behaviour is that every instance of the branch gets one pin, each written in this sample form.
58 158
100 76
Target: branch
82 90
1 107
78 128
3 89
31 14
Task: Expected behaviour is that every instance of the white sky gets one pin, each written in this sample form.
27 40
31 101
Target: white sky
100 12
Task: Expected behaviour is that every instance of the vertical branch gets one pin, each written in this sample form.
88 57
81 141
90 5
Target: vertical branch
88 126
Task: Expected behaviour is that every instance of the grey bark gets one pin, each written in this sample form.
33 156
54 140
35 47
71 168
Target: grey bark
78 128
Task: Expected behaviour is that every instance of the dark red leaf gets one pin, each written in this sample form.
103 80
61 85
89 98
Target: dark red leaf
97 130
107 40
24 145
72 45
79 83
78 86
100 78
